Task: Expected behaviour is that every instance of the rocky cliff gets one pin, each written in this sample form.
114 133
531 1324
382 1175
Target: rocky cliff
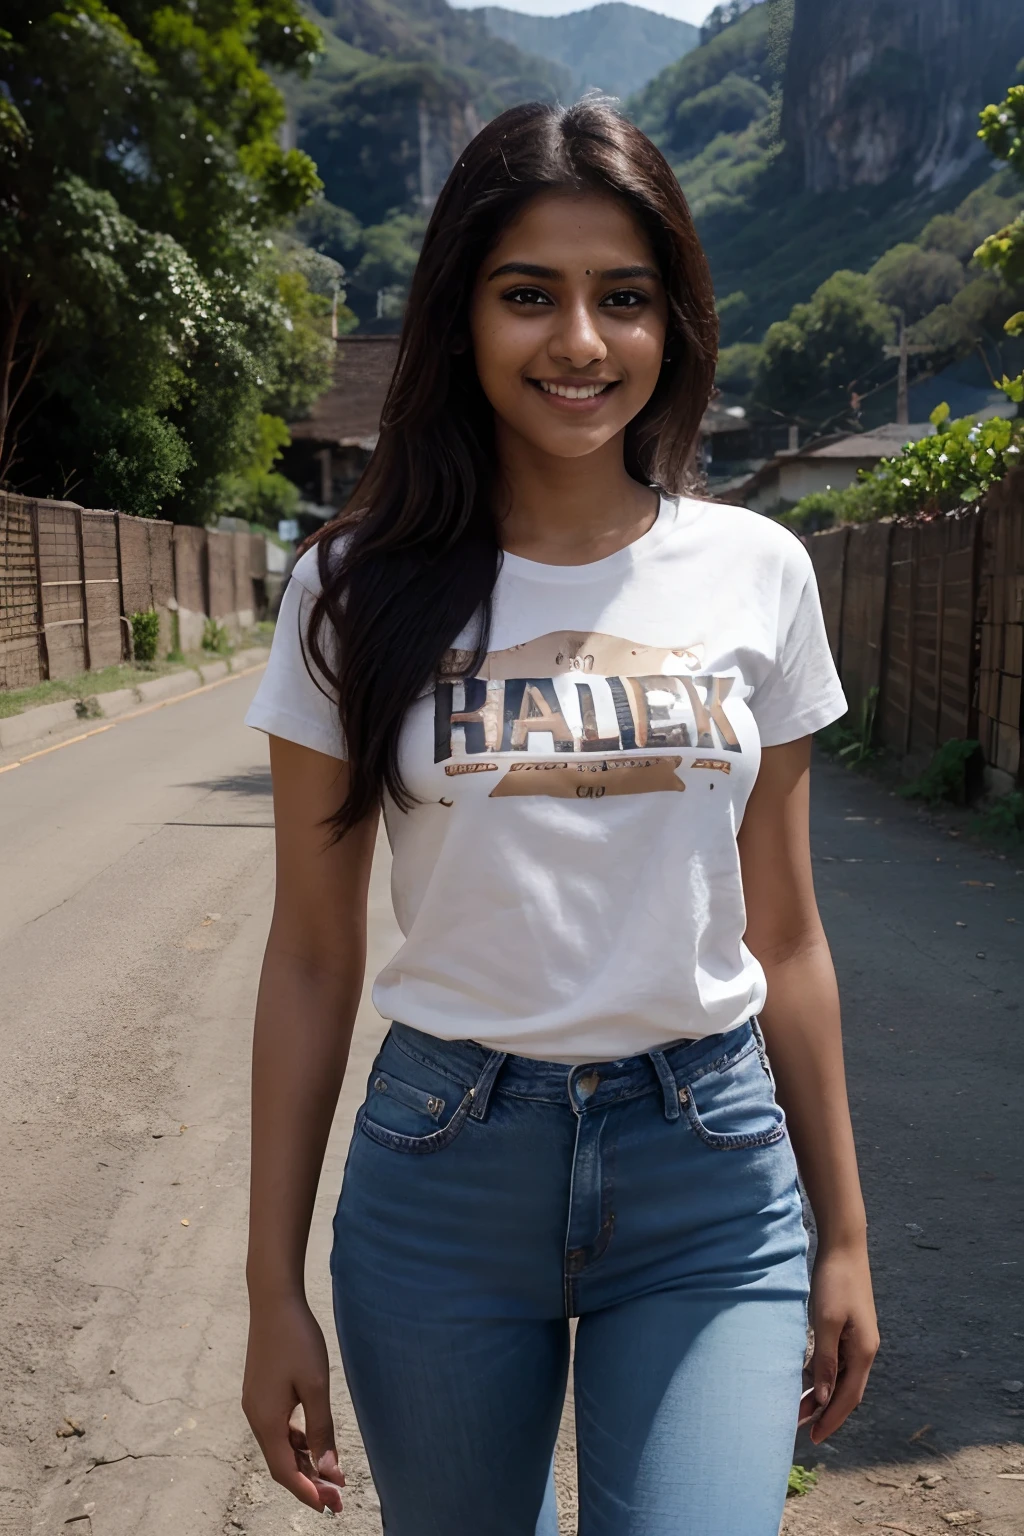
892 87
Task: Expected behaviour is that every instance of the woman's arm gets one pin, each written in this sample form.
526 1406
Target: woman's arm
801 1026
309 992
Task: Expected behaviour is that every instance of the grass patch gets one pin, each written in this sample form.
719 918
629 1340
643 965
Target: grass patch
1003 820
79 688
949 777
108 679
849 739
801 1480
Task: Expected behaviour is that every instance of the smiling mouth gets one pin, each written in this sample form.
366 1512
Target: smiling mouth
583 391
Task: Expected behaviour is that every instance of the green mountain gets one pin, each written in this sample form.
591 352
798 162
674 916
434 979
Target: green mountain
401 88
615 47
813 135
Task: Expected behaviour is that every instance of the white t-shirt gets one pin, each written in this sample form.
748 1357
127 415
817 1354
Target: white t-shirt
569 884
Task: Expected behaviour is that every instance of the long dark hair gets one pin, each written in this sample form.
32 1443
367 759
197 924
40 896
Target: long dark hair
414 557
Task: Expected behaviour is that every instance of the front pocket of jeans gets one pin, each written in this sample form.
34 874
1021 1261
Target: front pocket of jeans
400 1115
734 1109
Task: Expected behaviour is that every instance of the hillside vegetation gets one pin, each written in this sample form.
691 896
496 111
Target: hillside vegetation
615 47
740 118
399 90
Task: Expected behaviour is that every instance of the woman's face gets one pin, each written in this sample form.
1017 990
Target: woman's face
568 322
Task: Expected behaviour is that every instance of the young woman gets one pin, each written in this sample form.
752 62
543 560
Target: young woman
584 702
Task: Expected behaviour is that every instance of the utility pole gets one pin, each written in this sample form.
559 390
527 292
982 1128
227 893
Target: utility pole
903 351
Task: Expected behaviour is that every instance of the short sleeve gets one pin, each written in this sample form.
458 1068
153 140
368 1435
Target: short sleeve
801 693
294 700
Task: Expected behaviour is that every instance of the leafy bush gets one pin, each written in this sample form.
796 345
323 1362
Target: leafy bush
145 635
947 779
1003 820
850 740
952 469
801 1480
216 638
260 494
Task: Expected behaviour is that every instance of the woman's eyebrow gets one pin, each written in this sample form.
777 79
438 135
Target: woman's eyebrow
525 269
552 274
616 274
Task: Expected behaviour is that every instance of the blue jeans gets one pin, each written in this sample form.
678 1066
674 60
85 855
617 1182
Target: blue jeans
489 1198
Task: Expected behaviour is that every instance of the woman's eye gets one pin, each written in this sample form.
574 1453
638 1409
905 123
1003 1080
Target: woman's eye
527 296
625 298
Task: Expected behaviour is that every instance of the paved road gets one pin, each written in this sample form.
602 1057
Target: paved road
135 893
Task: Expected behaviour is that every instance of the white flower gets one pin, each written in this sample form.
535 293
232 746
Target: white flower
904 481
943 458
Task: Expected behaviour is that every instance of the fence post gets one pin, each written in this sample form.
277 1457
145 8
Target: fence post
883 641
911 642
44 645
86 645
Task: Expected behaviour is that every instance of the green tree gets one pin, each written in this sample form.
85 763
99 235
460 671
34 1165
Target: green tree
1002 129
915 280
147 316
827 350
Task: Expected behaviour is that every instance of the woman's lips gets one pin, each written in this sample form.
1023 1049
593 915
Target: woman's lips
596 391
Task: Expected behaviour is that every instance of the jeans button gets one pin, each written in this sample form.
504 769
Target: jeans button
587 1084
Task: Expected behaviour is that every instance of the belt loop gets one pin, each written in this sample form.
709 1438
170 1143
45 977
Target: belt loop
762 1049
485 1083
669 1086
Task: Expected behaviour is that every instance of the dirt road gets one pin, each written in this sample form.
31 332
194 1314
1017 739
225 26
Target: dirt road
135 892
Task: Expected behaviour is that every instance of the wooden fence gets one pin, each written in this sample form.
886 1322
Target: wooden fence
70 578
931 615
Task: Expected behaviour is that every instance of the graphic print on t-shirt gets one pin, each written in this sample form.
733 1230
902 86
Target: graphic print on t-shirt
581 716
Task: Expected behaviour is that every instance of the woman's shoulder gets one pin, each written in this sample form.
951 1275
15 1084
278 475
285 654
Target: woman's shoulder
306 570
737 530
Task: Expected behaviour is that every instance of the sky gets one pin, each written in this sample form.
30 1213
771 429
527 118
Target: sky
682 10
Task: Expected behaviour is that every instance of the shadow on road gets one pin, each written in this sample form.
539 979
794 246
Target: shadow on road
928 941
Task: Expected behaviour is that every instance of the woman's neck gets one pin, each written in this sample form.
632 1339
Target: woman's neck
569 511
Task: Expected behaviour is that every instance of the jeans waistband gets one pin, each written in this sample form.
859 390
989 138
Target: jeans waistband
585 1086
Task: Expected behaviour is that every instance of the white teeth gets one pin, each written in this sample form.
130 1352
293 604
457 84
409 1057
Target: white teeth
573 392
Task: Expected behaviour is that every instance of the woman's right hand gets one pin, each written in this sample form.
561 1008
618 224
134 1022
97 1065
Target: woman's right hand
286 1366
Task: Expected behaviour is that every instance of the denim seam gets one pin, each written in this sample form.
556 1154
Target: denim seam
434 1141
721 1063
620 1098
728 1141
433 1066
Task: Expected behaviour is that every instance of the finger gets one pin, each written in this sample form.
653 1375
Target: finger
847 1396
327 1478
825 1360
285 1467
319 1433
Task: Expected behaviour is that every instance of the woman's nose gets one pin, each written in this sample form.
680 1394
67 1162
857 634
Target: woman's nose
577 339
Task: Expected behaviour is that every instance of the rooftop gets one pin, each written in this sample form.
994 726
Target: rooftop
880 443
348 414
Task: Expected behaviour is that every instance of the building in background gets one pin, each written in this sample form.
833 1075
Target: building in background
332 446
830 464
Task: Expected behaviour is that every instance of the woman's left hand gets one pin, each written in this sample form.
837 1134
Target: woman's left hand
842 1312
